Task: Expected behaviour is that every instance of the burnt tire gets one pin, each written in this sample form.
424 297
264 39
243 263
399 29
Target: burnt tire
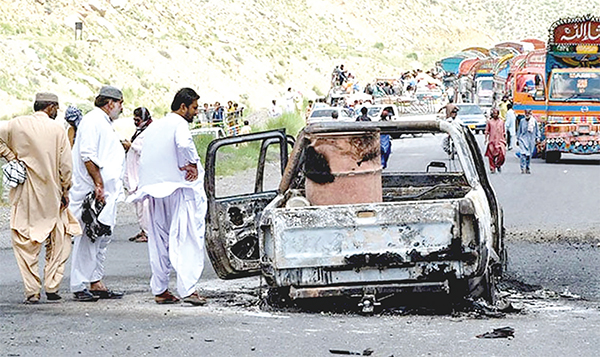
278 297
483 286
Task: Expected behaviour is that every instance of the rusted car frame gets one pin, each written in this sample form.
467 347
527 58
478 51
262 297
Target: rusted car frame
434 231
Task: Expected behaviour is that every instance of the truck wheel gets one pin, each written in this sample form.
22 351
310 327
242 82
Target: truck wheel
459 290
552 156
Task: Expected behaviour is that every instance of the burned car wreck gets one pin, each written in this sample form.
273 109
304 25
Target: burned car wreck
339 225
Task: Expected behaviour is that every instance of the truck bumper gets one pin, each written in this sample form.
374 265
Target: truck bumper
575 145
359 291
333 279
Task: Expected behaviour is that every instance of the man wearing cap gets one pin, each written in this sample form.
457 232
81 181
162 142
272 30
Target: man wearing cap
39 214
73 116
171 180
98 167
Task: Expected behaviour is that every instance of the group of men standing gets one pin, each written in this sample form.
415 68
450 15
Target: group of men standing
74 193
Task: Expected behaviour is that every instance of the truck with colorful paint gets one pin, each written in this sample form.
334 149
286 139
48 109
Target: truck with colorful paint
526 85
572 69
478 81
520 65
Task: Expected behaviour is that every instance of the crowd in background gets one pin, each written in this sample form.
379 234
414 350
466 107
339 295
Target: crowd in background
217 113
229 117
408 82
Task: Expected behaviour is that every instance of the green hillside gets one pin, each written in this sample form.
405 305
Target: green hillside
246 51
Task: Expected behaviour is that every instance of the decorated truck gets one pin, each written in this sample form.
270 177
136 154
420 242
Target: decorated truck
525 83
477 81
571 97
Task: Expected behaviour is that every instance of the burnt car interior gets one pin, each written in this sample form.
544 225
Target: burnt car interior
417 173
438 176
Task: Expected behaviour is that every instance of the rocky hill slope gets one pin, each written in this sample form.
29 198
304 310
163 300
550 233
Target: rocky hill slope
248 51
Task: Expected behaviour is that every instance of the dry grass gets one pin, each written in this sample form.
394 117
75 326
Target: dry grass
251 49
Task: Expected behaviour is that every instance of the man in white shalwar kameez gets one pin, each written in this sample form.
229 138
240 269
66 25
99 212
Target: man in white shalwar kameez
98 166
171 179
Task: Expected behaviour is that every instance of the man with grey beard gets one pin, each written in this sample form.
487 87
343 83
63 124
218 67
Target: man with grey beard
98 168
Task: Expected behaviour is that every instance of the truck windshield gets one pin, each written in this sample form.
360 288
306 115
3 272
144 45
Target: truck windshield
572 86
486 85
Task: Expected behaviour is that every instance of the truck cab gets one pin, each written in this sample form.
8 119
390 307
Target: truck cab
572 72
573 112
484 91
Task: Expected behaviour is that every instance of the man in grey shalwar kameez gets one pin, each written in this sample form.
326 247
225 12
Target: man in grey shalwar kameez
528 135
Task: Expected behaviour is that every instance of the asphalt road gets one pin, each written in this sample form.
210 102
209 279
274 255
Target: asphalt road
551 217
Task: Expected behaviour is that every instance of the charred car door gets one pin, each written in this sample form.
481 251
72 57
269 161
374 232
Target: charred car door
495 208
235 202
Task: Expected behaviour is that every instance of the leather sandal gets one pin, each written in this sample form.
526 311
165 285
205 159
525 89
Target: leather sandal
53 296
166 298
141 238
195 299
135 237
107 294
85 295
32 299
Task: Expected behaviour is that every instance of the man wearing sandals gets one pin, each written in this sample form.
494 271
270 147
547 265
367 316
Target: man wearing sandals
98 166
39 214
171 180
